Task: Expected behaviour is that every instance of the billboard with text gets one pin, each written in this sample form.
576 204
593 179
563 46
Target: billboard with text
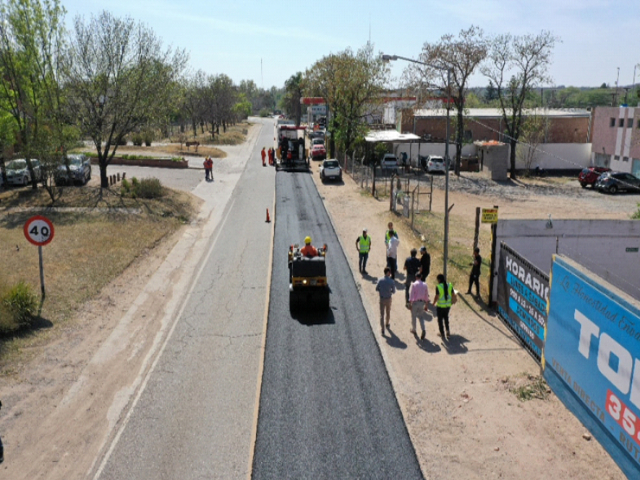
522 298
592 358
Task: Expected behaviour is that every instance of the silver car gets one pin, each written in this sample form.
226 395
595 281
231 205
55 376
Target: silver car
18 172
79 168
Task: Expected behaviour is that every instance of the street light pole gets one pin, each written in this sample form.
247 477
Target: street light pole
445 252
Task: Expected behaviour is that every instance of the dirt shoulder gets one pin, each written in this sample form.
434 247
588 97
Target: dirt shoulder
463 419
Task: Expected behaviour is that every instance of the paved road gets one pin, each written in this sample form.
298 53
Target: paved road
195 417
327 407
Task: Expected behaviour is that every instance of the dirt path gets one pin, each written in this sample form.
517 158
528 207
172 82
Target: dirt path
463 420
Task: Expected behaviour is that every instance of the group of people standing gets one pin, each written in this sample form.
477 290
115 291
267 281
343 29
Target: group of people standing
417 297
271 154
208 169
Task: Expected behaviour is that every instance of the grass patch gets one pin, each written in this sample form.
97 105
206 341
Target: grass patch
88 251
528 387
173 150
235 135
461 233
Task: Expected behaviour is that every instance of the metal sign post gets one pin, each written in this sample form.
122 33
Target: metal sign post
39 231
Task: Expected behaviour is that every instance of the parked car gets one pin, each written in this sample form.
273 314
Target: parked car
389 163
318 152
435 163
614 182
330 169
18 171
317 141
79 167
588 176
316 134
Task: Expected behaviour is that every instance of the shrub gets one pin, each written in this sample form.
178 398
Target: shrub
265 112
149 188
137 139
135 182
122 141
21 304
148 138
636 215
125 188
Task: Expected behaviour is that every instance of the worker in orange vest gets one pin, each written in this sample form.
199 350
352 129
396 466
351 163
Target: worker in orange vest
208 168
263 153
308 250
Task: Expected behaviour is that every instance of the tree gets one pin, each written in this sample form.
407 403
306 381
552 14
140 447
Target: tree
351 84
293 93
532 133
242 108
460 56
119 79
490 93
517 65
31 46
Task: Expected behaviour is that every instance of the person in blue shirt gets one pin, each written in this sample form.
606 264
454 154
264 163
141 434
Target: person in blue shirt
386 287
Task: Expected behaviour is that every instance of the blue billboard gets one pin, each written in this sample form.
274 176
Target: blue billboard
522 298
591 358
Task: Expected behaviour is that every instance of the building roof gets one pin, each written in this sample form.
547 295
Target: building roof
497 112
390 136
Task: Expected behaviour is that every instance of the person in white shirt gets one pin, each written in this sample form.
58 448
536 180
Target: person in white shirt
392 255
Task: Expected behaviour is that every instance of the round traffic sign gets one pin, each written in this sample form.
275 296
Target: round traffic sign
39 230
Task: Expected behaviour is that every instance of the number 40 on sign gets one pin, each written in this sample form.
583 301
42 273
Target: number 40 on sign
39 231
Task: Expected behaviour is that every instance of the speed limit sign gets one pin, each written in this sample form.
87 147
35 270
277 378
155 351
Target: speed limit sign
39 230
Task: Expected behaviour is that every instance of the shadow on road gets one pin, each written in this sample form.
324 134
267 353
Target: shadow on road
393 340
456 345
314 317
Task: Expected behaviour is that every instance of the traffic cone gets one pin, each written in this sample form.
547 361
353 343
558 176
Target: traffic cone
268 217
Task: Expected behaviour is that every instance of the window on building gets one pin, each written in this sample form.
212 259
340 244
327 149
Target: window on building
616 158
613 122
625 159
621 123
630 123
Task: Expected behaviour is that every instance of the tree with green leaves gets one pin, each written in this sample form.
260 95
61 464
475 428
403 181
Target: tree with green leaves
293 93
351 85
119 79
31 49
516 65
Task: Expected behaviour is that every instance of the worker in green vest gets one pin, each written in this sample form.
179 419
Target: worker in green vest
363 244
445 297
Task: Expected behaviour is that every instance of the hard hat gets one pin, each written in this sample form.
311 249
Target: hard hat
307 240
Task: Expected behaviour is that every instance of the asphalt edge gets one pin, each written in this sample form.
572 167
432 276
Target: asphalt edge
256 413
371 314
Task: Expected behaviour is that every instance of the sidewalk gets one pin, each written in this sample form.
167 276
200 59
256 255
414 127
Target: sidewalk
463 420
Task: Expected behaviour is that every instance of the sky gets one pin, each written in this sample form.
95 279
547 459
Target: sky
267 41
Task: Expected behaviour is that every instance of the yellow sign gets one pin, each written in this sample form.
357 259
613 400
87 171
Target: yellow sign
489 215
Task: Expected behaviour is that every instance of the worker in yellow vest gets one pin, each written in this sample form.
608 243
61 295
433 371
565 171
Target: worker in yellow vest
363 244
445 297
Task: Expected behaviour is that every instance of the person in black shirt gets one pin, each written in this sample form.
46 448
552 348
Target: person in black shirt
425 263
411 266
474 276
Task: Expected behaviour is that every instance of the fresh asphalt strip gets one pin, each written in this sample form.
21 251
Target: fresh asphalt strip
327 407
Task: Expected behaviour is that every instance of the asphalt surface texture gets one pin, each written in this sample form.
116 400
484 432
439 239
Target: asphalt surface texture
195 417
327 406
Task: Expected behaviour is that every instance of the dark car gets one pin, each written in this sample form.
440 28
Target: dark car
588 176
79 168
614 182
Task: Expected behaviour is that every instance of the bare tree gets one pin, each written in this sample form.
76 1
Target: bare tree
119 78
459 55
516 65
533 131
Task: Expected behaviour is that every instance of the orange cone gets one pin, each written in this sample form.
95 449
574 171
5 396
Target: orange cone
268 217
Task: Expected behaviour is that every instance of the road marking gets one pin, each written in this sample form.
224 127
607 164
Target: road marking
158 354
254 432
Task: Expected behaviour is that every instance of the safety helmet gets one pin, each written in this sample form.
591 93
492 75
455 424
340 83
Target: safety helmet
307 240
